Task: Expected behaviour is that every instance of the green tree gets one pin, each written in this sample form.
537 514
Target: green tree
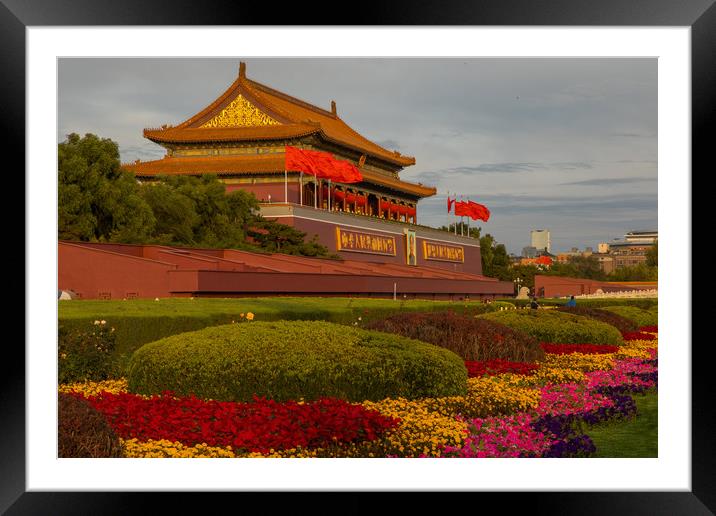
640 272
462 229
526 273
578 267
280 238
197 211
175 213
652 255
97 201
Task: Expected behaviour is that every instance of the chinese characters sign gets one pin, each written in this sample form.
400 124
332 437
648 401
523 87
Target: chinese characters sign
347 240
443 252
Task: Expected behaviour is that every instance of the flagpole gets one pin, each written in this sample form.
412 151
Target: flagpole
468 220
448 212
300 188
315 192
462 232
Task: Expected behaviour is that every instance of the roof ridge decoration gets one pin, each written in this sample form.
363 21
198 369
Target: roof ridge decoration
240 113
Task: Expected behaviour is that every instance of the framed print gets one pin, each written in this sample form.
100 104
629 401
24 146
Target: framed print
40 38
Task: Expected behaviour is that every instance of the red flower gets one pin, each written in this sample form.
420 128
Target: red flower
257 426
635 335
498 366
590 349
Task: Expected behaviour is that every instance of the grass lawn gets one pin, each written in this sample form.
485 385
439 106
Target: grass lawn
287 307
636 438
144 320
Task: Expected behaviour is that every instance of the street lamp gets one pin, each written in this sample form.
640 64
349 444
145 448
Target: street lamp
518 282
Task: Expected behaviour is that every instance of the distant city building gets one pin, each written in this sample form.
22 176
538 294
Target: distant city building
642 237
588 251
606 262
603 248
530 252
632 249
541 239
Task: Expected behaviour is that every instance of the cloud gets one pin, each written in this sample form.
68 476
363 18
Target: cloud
634 135
389 144
146 152
499 167
581 206
612 181
571 165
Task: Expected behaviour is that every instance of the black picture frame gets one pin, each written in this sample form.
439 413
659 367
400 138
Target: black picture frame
16 15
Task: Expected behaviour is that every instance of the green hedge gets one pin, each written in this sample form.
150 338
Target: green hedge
138 322
637 315
592 303
558 327
620 323
292 360
471 338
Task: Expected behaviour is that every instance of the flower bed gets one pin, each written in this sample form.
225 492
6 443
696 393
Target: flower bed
638 335
498 366
259 426
591 349
510 409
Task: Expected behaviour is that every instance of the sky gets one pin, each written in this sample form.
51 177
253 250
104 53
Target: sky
568 145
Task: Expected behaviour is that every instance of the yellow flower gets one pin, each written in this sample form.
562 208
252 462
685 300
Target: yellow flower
250 316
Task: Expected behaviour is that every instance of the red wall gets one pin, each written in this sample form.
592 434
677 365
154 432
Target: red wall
92 272
115 271
558 286
327 236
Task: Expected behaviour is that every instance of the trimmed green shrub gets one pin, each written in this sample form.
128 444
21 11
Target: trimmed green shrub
620 323
522 303
293 360
140 321
637 315
85 352
83 432
593 302
469 337
558 327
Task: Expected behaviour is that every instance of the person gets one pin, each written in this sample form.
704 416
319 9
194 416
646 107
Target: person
571 302
533 304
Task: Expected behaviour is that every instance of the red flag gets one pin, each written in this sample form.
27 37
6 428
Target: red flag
461 209
299 160
322 165
450 202
322 162
346 172
478 211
